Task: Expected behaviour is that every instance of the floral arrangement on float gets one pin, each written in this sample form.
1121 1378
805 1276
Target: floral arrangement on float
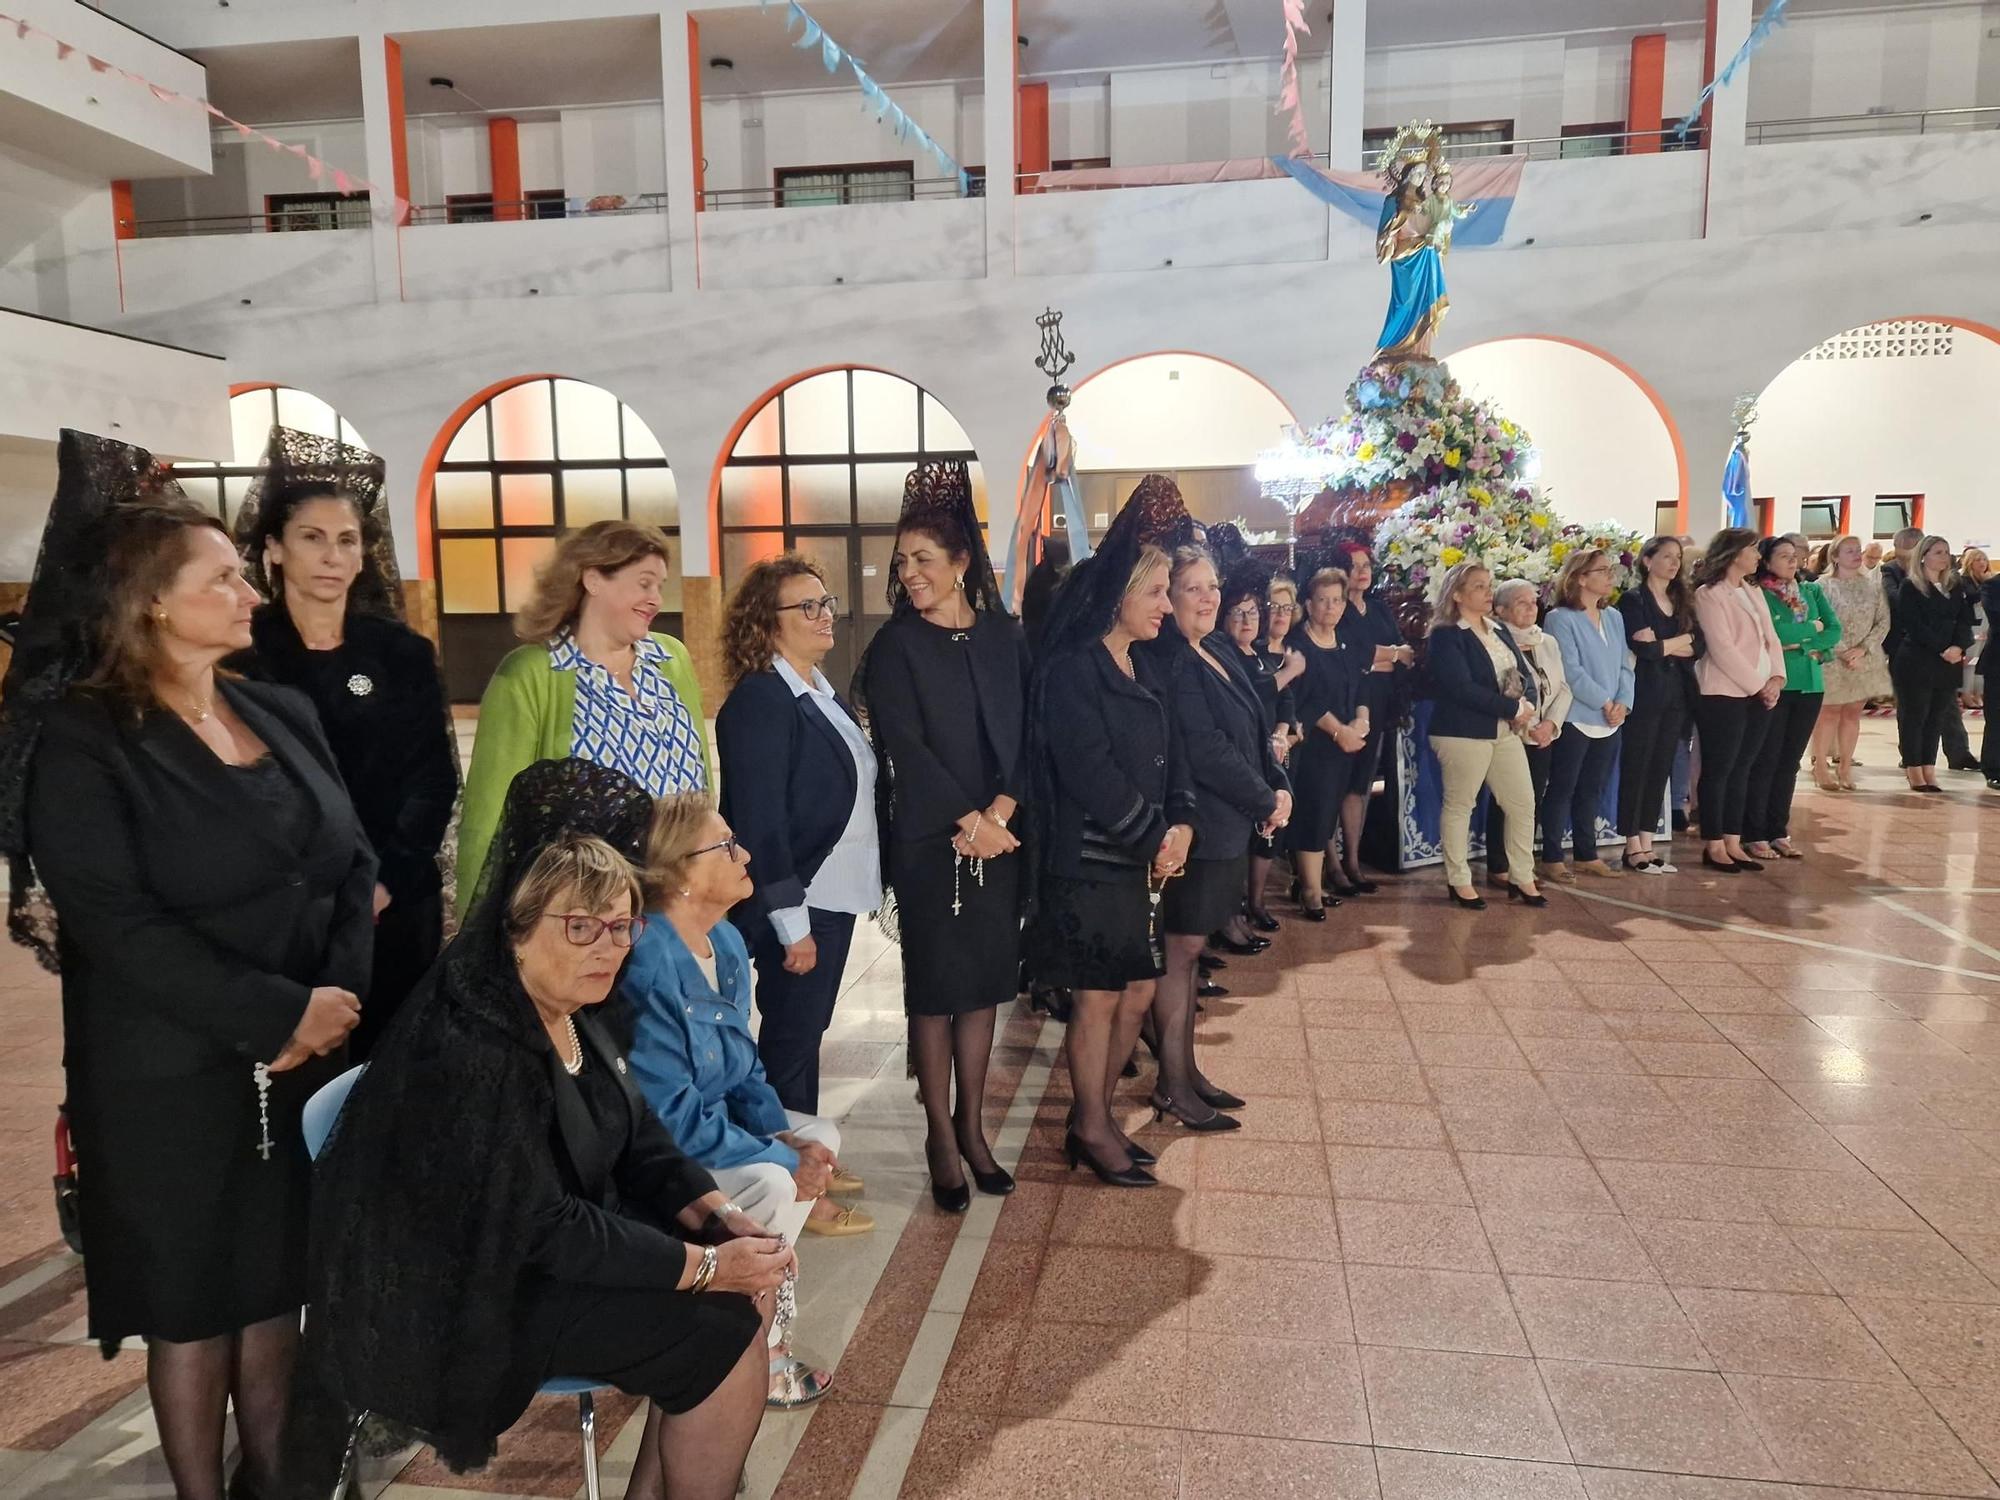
1510 529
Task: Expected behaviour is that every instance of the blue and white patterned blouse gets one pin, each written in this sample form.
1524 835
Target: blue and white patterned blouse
651 737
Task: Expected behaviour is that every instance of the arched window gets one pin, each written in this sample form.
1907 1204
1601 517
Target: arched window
819 468
252 415
541 458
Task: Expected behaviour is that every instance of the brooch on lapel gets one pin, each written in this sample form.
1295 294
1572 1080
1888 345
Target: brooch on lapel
619 1063
361 684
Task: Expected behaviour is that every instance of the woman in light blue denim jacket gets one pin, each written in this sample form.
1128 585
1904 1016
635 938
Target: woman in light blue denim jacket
1598 664
687 988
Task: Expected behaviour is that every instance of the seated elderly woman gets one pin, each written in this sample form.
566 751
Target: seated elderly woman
497 1205
688 990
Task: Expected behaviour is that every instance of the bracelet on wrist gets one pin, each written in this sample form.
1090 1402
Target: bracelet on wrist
706 1272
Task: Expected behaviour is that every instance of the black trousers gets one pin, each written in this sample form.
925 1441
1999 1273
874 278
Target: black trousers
1989 742
797 1008
1926 707
1648 741
1732 731
1774 774
1957 743
1496 820
1579 765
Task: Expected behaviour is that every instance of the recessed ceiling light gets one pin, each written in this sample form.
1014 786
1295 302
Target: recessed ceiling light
723 64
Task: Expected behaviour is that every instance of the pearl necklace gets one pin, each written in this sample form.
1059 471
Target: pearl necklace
576 1046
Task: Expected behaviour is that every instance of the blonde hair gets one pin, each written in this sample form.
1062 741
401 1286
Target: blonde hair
1920 578
1149 561
1446 612
1965 560
1825 559
1569 578
1326 578
601 547
678 823
1281 584
576 867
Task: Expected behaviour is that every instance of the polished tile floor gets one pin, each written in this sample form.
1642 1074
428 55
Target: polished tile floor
1687 1188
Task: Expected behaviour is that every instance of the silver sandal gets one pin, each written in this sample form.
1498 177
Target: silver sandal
798 1384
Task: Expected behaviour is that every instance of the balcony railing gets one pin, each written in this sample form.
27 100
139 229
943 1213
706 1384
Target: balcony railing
481 209
903 190
1885 122
348 215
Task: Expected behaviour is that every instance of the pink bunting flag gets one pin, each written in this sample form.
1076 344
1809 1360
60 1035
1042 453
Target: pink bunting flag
342 183
1288 94
63 50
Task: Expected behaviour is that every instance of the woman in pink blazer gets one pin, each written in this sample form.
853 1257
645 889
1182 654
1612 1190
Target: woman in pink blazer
1739 679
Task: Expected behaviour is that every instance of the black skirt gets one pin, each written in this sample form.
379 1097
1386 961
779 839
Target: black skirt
1323 776
673 1348
1204 896
188 1232
1094 934
956 962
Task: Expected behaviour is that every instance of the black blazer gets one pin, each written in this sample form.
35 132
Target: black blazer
1989 600
1219 726
1467 703
622 1181
1658 680
956 737
1118 780
1927 622
1893 578
392 741
191 933
788 788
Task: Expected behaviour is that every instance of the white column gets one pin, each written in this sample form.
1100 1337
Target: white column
1729 112
1002 111
1349 82
381 166
677 123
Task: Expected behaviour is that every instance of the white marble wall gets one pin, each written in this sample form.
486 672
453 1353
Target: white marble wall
937 239
536 258
1154 228
1881 182
199 277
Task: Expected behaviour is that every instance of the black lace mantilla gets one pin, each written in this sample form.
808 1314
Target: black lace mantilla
293 458
55 643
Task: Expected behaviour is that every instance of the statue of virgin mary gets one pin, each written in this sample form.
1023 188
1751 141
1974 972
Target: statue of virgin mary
1413 238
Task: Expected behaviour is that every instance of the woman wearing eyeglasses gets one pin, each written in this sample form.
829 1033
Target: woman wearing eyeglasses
798 786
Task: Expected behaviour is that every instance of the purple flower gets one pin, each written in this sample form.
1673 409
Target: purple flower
1407 441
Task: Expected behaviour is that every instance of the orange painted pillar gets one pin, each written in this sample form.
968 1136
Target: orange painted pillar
694 112
399 136
1034 130
503 141
121 211
1646 95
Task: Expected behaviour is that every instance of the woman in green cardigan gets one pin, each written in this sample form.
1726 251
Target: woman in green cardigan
593 681
1809 630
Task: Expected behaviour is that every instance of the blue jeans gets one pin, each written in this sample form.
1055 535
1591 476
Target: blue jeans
1579 766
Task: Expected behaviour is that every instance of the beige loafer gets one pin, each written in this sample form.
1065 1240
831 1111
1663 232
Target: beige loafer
845 1222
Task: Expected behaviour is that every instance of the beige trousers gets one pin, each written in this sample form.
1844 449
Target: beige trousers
1501 764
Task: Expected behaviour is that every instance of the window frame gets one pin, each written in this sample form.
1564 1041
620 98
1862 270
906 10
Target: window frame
844 170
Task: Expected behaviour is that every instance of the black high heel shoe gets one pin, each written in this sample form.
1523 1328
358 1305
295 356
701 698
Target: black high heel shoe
1342 890
1263 921
1718 866
1312 913
1208 989
997 1183
1515 893
1141 1157
1476 903
1216 1098
1246 948
1164 1108
1363 887
1134 1176
951 1200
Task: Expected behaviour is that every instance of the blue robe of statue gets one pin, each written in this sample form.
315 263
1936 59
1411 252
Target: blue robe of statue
1736 487
1417 299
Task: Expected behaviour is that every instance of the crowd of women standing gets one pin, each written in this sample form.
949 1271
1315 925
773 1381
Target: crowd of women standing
232 766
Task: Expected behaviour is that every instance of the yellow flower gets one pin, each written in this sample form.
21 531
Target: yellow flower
1365 452
1480 493
1451 557
1558 550
1538 520
1452 458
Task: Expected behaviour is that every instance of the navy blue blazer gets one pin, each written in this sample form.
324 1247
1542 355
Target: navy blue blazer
788 788
1467 701
1989 600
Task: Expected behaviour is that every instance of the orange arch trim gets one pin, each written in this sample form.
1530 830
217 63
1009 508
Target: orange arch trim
1645 385
427 475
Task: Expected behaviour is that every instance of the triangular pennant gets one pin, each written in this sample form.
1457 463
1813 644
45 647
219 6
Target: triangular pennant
829 53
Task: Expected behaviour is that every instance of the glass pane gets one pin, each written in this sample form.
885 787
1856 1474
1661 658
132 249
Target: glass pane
670 593
591 495
750 496
527 500
520 556
977 473
819 494
306 412
352 438
1891 516
885 413
876 552
521 422
467 584
468 444
233 491
586 420
816 414
639 439
831 553
207 493
464 502
652 498
250 419
879 491
760 437
742 548
942 434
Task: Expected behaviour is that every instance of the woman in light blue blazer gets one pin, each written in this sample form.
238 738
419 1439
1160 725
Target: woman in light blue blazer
687 988
1598 664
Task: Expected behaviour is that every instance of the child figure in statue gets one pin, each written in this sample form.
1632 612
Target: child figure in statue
1413 240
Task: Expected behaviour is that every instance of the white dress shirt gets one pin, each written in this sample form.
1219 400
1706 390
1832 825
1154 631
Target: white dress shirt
850 879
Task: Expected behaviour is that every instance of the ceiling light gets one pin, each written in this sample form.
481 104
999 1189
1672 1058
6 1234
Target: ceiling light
723 64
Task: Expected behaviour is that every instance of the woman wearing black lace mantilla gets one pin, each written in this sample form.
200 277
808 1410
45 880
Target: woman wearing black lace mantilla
211 922
498 1206
944 691
316 544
